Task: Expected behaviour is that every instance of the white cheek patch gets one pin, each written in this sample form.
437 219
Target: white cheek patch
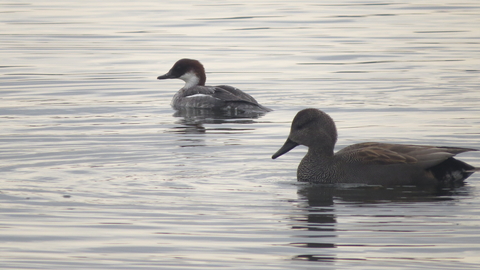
190 78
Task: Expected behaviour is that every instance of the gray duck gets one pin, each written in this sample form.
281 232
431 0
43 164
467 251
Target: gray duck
371 162
195 94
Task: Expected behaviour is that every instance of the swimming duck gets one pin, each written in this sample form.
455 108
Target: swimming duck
370 162
195 94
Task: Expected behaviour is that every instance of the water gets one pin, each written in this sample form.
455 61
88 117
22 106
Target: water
99 172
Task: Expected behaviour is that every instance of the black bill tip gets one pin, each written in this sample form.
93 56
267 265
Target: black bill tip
287 146
165 76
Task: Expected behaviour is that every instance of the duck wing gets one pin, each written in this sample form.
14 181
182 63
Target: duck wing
376 155
198 90
230 93
382 153
223 92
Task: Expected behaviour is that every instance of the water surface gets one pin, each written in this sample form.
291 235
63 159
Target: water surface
99 172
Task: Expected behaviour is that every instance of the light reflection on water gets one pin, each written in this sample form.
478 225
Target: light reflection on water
99 172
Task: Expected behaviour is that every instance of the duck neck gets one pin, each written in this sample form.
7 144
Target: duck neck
325 148
202 79
316 166
193 79
322 153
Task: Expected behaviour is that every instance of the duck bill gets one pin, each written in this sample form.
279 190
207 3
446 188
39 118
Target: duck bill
287 146
166 76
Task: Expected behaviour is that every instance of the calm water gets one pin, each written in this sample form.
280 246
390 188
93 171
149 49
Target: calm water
98 172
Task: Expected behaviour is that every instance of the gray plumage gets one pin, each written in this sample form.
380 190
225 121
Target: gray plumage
195 94
371 162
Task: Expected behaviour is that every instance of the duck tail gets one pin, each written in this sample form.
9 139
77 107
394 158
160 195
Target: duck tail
475 169
453 171
264 108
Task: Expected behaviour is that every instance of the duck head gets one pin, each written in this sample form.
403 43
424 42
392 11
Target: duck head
312 128
190 71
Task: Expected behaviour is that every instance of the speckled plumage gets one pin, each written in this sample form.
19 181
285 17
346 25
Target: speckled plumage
369 163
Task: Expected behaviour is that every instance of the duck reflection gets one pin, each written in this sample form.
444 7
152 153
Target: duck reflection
317 221
192 120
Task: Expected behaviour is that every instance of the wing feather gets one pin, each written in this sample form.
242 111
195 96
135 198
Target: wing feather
382 153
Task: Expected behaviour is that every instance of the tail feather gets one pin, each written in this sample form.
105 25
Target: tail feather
452 171
473 170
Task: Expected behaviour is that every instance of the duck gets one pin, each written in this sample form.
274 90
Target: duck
195 94
370 163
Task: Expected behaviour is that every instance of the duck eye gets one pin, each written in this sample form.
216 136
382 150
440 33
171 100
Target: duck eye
300 126
303 125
